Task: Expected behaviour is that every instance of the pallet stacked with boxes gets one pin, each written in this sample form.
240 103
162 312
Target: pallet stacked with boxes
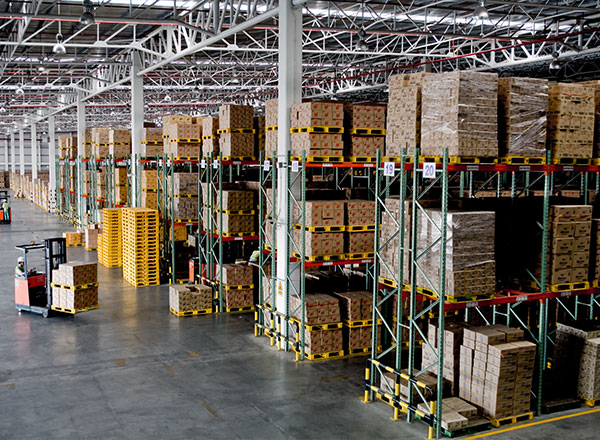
73 238
360 229
149 184
390 254
596 86
366 131
458 416
210 139
571 110
190 299
496 370
446 99
100 142
356 310
110 241
470 253
594 273
140 246
236 132
323 235
119 143
237 287
403 126
184 188
235 213
182 137
522 118
317 129
271 121
120 188
259 135
576 363
152 142
568 246
91 237
75 287
322 331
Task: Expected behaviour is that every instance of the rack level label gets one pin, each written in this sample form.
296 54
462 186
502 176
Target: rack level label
429 170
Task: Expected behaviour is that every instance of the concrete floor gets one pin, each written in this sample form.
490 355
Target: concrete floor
131 370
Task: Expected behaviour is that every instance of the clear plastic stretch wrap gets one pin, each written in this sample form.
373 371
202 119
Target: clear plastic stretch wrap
596 86
390 224
571 110
523 103
470 263
460 112
403 127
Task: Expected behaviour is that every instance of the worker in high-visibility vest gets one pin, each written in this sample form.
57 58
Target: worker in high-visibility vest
254 256
6 209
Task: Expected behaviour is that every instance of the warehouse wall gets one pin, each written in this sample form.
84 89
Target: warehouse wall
42 140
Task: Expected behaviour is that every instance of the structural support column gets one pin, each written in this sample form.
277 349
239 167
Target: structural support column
290 92
80 154
34 152
52 164
13 153
137 128
6 155
22 152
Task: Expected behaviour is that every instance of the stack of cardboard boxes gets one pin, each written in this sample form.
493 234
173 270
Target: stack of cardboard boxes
234 276
457 414
210 141
120 176
119 140
100 141
460 112
182 187
152 139
235 212
361 116
359 213
232 143
317 114
355 307
319 308
260 134
403 127
496 370
73 238
575 363
595 84
181 136
569 244
595 250
149 189
190 298
70 279
571 110
91 237
321 213
271 122
523 104
470 258
390 253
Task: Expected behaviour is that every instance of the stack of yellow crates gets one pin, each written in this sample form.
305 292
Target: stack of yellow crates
140 246
109 242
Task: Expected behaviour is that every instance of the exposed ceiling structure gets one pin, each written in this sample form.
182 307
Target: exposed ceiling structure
198 54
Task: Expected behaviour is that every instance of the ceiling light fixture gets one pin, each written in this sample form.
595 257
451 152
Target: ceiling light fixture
20 90
481 13
555 64
59 48
167 98
87 17
362 45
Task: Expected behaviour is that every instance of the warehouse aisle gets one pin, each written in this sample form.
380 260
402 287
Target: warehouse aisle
132 370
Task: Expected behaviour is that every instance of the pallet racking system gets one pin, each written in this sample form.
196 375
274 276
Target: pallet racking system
508 306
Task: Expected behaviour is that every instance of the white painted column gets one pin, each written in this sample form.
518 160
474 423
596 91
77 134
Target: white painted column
22 152
290 92
6 168
80 154
13 153
137 127
52 163
34 152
